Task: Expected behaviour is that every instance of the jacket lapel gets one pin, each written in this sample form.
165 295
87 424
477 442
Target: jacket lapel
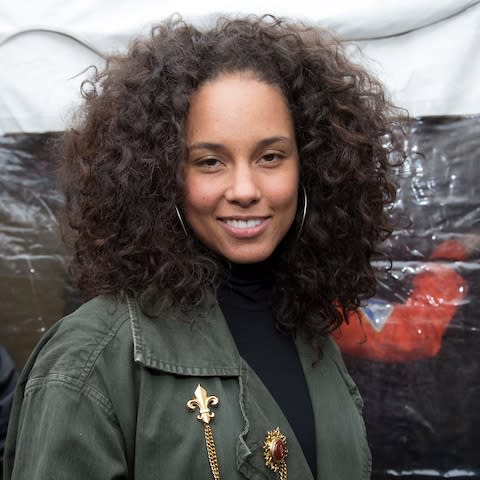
198 346
261 415
342 447
204 347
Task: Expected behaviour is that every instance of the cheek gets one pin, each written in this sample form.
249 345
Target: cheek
285 194
199 197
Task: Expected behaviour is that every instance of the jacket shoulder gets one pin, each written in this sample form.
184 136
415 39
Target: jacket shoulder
73 346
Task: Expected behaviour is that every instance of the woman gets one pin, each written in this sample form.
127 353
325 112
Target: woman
227 191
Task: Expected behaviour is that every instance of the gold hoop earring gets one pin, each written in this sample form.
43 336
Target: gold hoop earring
181 221
304 212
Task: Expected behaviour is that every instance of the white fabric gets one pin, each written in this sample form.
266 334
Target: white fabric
425 51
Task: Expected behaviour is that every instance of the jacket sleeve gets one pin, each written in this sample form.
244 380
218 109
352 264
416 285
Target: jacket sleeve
60 429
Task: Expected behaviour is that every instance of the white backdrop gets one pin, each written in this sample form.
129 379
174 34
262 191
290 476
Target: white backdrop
426 52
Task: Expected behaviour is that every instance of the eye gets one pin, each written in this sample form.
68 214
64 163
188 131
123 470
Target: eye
271 158
209 163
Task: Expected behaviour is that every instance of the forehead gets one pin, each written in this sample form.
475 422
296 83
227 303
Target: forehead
238 104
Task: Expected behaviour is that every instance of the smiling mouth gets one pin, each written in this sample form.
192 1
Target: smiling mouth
244 228
250 223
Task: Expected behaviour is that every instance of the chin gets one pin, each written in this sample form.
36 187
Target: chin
248 257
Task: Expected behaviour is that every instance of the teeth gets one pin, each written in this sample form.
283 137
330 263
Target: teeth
243 223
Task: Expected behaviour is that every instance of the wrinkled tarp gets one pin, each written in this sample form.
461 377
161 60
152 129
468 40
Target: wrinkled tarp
33 287
422 415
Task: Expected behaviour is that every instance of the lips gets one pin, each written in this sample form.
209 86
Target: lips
250 223
243 228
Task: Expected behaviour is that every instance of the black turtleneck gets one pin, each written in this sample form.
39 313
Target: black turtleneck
245 298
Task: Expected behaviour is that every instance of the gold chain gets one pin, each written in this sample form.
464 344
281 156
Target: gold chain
203 400
211 451
282 472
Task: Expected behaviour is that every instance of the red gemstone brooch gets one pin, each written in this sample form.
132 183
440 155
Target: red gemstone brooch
275 451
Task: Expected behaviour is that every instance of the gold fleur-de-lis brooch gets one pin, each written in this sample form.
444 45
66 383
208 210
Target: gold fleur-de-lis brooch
202 401
275 452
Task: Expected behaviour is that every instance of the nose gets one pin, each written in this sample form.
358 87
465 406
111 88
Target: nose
243 189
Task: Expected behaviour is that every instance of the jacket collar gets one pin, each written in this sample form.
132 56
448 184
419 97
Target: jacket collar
200 345
203 346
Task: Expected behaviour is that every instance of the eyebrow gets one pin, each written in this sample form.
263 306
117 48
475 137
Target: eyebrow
220 147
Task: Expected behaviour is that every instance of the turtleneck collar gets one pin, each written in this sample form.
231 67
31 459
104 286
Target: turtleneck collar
247 286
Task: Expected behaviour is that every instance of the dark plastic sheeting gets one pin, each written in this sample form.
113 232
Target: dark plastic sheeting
422 414
33 289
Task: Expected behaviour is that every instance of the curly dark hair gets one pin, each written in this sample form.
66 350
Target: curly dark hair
122 169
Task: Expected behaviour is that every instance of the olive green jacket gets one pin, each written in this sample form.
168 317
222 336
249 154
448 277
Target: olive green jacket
104 397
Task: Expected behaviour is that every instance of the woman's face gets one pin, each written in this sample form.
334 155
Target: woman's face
241 174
